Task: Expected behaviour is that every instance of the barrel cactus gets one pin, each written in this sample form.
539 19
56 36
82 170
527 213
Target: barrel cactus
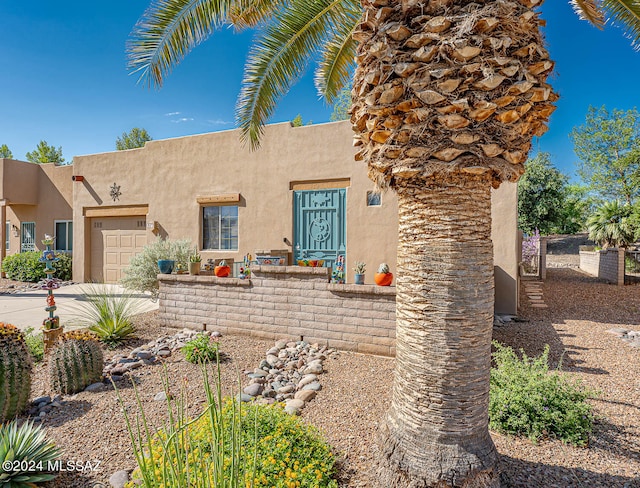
76 362
15 372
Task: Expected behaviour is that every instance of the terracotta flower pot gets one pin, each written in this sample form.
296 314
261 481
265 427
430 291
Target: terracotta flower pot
383 279
222 271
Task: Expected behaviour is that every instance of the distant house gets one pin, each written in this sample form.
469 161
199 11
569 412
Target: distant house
301 193
35 199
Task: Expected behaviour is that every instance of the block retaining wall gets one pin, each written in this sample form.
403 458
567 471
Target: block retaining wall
607 264
284 302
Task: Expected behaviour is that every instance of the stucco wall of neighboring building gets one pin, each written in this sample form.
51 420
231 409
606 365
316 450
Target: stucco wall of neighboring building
169 175
39 193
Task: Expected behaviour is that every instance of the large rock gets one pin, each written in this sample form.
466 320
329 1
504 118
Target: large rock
254 389
119 479
305 395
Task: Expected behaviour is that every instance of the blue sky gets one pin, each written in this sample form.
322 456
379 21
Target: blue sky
65 79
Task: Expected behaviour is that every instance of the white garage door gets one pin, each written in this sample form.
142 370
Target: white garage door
114 241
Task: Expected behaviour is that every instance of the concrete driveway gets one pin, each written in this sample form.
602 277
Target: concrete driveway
26 309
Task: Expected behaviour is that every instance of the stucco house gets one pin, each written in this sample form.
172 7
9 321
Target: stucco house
302 192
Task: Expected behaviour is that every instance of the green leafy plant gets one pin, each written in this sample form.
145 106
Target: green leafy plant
526 399
195 257
25 446
15 372
25 266
227 445
201 349
108 312
610 225
76 362
34 344
142 272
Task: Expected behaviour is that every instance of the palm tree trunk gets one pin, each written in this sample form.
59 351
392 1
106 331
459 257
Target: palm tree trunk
436 431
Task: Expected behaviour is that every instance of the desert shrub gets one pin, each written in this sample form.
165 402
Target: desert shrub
108 312
34 344
530 251
200 349
142 272
610 225
26 448
25 266
527 399
231 445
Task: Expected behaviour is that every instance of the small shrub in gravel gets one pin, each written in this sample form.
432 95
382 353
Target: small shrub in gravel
34 344
229 444
526 399
201 349
26 266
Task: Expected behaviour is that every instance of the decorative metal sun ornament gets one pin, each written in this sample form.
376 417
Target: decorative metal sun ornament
115 192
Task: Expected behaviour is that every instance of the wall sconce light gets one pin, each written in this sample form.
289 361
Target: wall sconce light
16 231
77 178
152 225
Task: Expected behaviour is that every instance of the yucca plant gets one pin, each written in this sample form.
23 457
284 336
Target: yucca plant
15 372
25 445
108 312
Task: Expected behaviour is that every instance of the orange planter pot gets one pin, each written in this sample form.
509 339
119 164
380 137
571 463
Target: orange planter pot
383 279
222 271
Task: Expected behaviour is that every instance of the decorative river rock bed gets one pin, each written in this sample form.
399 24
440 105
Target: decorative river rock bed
290 374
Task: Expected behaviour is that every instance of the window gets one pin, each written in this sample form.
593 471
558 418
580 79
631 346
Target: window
220 228
7 229
64 235
374 199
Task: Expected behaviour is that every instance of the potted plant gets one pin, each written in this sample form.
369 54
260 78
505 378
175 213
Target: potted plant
194 263
383 277
166 265
51 332
360 268
222 270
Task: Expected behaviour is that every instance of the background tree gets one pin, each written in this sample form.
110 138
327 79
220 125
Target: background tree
542 195
610 225
342 105
297 121
5 152
133 139
578 205
608 145
44 153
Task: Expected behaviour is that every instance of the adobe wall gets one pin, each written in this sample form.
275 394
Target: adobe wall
607 264
284 302
169 175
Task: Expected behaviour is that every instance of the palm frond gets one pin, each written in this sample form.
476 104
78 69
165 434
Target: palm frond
627 14
335 68
168 31
588 10
250 13
278 59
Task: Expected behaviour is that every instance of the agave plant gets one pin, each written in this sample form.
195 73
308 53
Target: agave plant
25 446
108 312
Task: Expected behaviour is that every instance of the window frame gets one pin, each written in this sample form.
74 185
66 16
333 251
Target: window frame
220 237
370 195
69 239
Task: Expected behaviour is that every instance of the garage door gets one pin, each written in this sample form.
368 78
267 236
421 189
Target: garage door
114 241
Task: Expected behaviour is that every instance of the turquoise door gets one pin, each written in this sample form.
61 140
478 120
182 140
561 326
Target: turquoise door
320 224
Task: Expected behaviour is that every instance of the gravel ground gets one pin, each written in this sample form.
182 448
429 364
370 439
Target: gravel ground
357 388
